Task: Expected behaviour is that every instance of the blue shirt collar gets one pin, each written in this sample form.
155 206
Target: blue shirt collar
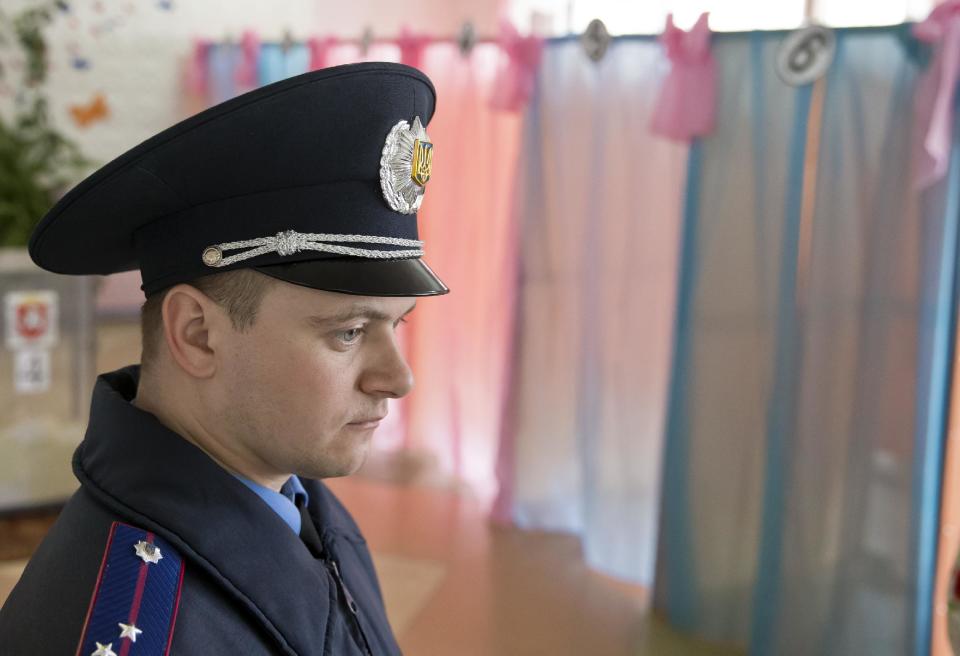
284 503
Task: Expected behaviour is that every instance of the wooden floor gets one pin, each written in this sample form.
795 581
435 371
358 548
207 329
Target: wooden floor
496 590
456 584
503 591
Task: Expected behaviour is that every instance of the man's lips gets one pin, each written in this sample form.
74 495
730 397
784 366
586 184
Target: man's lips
369 422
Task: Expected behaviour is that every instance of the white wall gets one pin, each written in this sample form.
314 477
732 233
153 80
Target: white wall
136 63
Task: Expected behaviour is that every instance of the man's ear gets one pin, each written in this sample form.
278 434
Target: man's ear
193 326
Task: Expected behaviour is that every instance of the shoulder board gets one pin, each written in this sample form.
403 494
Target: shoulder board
134 604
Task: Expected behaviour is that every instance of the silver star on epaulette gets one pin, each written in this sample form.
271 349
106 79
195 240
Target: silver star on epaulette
148 552
104 650
129 631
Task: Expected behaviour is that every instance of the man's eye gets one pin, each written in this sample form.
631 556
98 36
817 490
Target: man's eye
350 336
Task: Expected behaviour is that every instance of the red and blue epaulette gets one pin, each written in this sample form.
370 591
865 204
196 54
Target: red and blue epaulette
134 605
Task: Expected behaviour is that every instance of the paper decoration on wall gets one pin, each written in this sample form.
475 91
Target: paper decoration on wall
805 55
77 60
107 25
95 110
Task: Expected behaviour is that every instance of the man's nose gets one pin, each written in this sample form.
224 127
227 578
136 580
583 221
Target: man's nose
388 373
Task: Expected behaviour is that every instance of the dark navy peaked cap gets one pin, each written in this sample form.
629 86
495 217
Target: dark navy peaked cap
315 180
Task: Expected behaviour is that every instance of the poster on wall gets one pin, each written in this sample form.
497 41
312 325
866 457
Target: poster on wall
31 319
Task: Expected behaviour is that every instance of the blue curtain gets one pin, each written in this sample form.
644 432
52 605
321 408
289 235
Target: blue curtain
276 62
807 404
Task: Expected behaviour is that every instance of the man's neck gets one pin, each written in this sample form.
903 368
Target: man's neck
164 409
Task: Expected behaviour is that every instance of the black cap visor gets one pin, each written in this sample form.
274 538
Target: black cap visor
363 277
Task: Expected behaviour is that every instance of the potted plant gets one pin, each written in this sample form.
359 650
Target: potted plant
37 163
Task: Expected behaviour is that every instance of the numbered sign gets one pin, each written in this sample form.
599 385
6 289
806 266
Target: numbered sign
805 55
31 319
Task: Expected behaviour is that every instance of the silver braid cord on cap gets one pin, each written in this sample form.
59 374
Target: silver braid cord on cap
289 242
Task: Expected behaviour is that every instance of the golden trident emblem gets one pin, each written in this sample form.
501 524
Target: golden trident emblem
422 161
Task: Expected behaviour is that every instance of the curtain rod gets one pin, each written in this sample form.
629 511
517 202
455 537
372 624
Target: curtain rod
572 36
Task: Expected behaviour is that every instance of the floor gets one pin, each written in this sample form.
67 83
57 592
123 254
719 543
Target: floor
484 589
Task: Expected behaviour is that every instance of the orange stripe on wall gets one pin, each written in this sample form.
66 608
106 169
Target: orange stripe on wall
808 203
949 518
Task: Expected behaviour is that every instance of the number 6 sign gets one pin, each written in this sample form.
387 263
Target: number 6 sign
805 55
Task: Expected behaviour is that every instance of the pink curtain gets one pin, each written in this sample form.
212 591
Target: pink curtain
458 342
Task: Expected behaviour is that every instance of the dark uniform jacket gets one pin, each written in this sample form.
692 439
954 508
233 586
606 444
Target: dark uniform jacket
248 584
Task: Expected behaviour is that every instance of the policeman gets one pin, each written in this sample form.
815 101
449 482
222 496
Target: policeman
276 236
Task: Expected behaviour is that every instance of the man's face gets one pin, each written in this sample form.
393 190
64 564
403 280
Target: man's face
313 364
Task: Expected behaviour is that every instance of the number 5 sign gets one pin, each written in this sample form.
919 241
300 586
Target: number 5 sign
31 319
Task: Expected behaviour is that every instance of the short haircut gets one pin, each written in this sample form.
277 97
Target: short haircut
239 292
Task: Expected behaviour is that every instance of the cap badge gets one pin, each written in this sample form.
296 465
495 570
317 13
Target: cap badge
405 166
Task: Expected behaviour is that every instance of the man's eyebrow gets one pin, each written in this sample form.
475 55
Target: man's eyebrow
356 312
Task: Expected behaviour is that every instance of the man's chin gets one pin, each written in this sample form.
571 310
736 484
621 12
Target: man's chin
346 466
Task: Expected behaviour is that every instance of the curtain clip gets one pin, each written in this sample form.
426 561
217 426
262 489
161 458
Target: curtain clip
467 38
595 40
366 40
